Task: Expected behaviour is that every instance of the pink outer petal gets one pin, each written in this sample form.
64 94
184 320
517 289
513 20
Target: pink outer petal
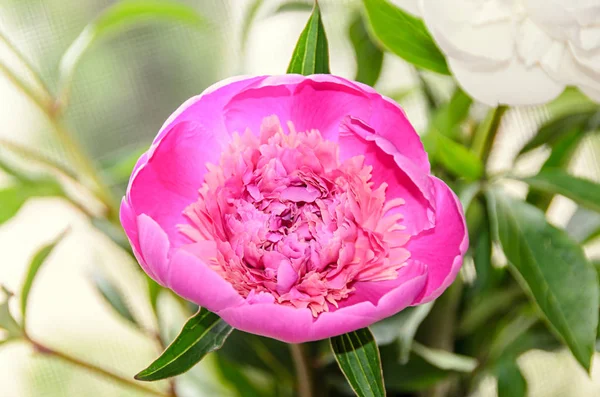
293 325
169 180
404 179
193 280
443 247
322 102
154 249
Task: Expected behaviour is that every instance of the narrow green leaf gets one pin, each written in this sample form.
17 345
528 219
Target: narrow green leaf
553 269
404 35
249 20
401 327
557 181
416 375
511 382
311 55
34 266
562 153
234 374
153 292
369 58
8 322
491 305
449 117
358 357
556 128
120 15
444 359
112 296
294 6
203 333
485 133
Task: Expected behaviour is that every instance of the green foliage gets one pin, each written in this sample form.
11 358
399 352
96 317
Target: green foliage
358 357
13 197
203 333
556 181
511 382
552 268
404 35
402 328
369 58
311 55
34 267
119 16
113 296
7 322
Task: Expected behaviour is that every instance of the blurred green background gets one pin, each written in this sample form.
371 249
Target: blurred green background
123 90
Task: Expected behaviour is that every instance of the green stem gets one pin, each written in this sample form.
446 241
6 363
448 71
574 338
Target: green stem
303 370
28 66
94 369
79 156
485 134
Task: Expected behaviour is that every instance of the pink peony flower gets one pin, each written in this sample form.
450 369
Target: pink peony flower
294 207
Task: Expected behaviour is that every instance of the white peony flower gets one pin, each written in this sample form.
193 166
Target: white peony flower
518 52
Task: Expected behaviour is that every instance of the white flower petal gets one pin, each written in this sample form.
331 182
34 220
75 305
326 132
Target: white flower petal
451 23
594 95
514 84
532 43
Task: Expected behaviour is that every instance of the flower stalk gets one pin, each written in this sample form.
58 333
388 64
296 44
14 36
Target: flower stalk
303 370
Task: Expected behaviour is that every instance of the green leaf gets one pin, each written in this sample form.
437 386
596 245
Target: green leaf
456 158
203 333
369 58
234 374
417 374
401 327
13 197
490 305
153 292
358 357
120 15
444 359
8 322
311 55
294 6
560 157
511 382
556 181
553 268
449 117
556 128
404 35
34 266
119 167
112 296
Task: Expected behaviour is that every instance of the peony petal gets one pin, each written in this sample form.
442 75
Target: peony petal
441 248
298 325
193 280
455 27
404 179
322 102
514 84
154 249
172 175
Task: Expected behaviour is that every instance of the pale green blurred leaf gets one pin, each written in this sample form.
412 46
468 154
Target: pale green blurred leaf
111 295
456 158
369 58
444 359
584 225
404 35
34 266
311 55
557 181
119 167
401 327
8 322
294 6
118 16
553 268
13 197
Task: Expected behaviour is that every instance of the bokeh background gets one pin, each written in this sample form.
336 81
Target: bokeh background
123 90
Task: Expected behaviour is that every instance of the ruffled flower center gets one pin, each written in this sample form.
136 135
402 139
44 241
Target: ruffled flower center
283 220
